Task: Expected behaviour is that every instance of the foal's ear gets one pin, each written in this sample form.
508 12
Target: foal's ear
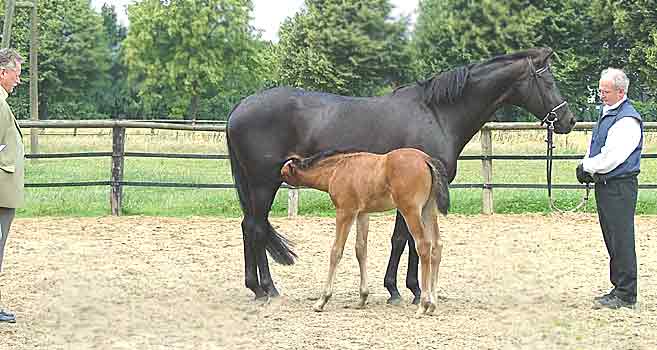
290 165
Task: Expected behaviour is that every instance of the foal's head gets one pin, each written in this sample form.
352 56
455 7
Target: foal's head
290 170
295 170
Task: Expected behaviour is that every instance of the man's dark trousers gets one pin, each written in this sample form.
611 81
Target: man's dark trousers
616 203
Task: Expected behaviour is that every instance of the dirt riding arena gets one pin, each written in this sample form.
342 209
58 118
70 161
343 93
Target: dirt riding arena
506 282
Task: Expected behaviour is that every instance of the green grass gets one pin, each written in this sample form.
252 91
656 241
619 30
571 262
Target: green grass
182 202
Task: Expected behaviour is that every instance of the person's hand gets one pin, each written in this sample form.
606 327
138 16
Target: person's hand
583 176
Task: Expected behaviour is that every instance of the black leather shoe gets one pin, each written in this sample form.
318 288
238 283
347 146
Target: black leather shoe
614 302
7 317
605 296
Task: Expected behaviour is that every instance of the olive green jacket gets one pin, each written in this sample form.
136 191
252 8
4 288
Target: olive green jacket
12 157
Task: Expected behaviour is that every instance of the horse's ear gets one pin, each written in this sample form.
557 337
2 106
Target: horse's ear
545 56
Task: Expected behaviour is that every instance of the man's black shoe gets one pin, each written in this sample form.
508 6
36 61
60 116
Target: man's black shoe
613 302
7 317
605 296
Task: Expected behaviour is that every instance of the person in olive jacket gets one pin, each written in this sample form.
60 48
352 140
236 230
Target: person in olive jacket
11 156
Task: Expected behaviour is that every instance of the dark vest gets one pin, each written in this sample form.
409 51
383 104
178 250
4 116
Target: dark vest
632 164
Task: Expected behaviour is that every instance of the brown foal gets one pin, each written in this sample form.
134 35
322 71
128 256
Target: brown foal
361 183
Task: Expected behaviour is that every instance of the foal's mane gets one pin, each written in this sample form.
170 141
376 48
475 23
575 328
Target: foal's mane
308 162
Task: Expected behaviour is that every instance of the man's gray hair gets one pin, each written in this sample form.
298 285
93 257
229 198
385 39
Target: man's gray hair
9 58
617 76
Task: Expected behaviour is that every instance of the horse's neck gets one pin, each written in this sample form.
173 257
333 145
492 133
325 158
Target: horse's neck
488 89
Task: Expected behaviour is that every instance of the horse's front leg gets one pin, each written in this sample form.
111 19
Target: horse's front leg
361 254
344 220
412 281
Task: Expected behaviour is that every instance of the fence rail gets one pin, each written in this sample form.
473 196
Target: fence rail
118 155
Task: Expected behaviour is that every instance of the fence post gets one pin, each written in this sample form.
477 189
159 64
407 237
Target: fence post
487 170
116 191
292 202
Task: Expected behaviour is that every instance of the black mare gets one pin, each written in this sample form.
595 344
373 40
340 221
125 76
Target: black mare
438 116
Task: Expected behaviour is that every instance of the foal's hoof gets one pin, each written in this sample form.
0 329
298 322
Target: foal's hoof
318 308
431 308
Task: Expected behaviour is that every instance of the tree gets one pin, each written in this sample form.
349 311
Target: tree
73 56
179 50
450 33
636 21
349 47
114 95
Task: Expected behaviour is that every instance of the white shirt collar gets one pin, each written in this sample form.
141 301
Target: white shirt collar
606 108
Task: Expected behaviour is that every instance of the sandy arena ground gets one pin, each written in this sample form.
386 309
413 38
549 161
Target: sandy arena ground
506 282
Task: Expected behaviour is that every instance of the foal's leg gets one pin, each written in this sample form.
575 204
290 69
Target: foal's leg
423 245
436 254
362 227
430 221
343 222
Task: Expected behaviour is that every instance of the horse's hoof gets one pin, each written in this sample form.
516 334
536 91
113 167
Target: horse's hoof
262 297
394 301
273 293
318 308
416 300
263 300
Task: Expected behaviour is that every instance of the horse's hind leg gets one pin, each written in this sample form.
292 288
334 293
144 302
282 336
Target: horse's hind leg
251 279
343 220
361 255
257 231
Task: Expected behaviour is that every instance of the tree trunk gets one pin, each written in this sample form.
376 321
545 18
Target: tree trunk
43 108
192 110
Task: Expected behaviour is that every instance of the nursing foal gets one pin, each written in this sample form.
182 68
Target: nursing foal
361 183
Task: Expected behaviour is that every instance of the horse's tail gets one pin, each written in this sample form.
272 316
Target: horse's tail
439 184
277 245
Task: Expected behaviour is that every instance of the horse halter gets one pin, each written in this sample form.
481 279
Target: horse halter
549 120
551 116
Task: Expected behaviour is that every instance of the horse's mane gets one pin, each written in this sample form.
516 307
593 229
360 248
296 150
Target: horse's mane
308 162
445 87
448 86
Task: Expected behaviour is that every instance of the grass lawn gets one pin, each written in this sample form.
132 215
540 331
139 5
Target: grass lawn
164 201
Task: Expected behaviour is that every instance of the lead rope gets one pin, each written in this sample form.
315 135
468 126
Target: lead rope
550 148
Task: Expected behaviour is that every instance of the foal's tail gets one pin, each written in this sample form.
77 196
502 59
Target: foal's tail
439 184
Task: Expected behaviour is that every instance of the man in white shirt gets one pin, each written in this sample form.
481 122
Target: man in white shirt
613 163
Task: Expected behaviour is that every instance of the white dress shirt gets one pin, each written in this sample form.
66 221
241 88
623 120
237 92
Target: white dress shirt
622 139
